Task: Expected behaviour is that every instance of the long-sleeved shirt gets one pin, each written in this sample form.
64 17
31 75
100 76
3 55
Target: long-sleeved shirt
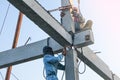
51 64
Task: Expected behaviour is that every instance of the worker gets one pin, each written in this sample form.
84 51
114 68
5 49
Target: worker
79 21
52 63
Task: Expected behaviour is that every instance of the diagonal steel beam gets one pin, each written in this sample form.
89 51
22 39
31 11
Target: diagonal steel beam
39 15
34 11
96 64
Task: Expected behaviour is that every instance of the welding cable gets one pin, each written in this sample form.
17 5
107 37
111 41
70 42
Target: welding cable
5 19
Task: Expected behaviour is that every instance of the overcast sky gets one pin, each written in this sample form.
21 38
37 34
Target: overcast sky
105 15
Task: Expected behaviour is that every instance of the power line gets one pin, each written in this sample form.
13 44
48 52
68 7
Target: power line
5 18
1 76
14 76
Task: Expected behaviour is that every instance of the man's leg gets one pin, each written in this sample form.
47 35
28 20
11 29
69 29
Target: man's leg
88 24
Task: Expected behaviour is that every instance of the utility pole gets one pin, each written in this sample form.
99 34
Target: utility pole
71 69
67 21
15 42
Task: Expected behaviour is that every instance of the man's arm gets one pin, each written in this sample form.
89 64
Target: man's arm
53 59
61 67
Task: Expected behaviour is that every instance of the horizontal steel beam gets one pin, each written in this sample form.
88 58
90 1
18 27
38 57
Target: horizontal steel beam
33 51
96 64
26 53
34 11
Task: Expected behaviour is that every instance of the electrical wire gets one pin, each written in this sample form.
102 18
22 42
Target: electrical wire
5 19
1 76
84 67
78 52
14 76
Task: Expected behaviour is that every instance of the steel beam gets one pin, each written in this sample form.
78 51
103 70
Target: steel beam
96 64
83 38
33 51
45 21
34 11
26 53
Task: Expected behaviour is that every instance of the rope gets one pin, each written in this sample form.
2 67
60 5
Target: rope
5 18
1 76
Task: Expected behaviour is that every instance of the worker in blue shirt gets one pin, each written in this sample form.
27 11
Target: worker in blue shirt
52 63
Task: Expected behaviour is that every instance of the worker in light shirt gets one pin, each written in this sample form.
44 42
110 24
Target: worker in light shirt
79 21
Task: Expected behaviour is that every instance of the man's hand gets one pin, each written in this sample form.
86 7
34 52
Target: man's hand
64 51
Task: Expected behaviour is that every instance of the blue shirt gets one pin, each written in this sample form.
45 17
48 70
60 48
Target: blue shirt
51 64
